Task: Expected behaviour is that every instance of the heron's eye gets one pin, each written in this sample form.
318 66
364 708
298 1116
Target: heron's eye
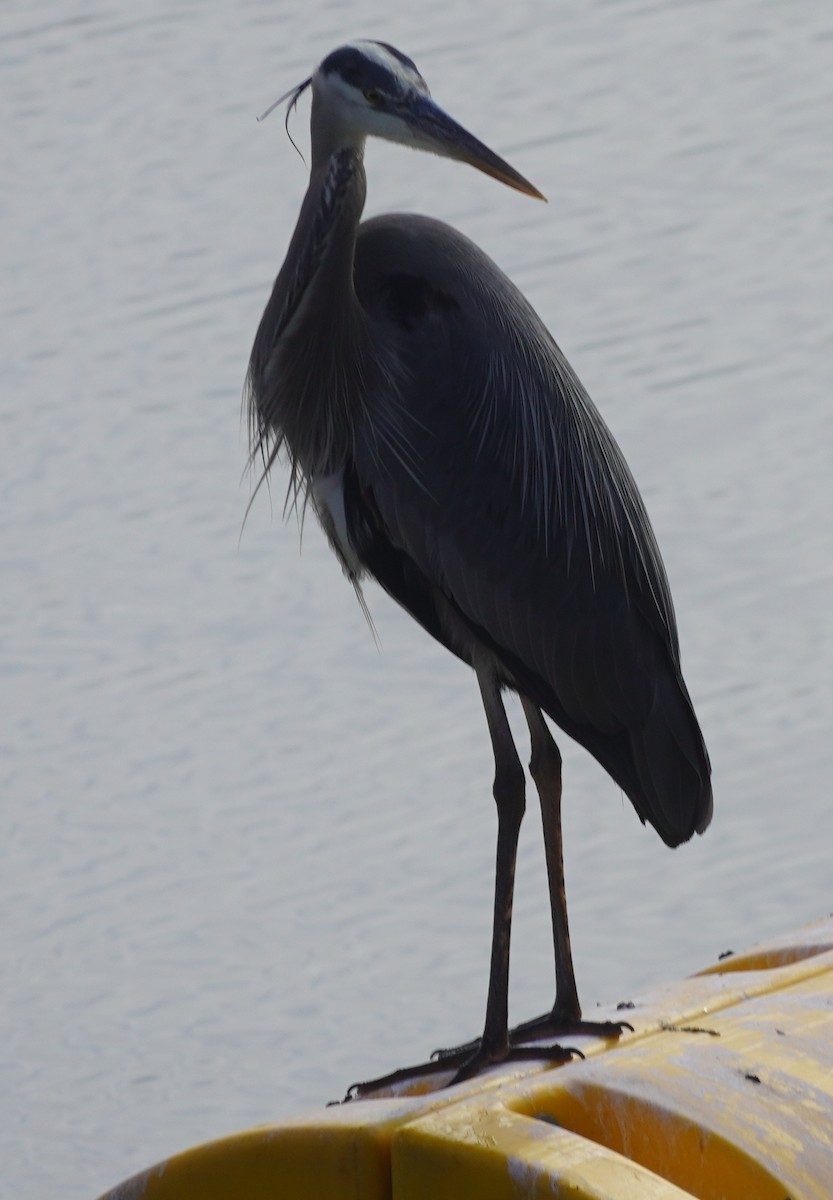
373 96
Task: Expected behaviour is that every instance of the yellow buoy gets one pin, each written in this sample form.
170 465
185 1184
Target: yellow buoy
723 1091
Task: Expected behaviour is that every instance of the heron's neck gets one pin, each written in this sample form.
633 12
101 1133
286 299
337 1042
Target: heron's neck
316 278
307 368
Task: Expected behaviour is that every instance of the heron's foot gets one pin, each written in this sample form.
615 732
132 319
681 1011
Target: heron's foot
473 1057
452 1061
370 1087
563 1025
464 1062
476 1056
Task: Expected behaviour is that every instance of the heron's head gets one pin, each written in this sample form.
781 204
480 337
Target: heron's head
369 89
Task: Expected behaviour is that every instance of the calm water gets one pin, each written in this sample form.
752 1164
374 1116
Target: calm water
245 855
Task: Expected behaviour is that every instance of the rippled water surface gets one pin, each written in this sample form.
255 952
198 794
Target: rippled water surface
245 855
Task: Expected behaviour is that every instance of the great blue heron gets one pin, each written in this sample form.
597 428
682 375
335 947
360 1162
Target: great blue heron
450 452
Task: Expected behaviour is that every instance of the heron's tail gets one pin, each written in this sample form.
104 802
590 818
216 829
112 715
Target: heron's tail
672 768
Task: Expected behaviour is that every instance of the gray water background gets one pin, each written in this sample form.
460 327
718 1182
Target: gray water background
246 856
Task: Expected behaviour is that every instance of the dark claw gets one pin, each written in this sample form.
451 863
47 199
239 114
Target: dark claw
555 1053
452 1052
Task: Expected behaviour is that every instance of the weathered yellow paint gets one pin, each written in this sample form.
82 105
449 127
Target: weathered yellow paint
724 1090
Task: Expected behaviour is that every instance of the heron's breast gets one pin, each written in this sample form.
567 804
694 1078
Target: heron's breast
328 500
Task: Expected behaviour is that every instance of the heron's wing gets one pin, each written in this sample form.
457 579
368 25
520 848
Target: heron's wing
487 460
485 484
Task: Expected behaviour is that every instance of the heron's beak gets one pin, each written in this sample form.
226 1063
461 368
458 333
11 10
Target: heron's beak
434 130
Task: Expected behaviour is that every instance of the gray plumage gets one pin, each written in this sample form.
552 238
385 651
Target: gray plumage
451 453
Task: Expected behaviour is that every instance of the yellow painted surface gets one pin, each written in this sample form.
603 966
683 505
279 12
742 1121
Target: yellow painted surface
724 1090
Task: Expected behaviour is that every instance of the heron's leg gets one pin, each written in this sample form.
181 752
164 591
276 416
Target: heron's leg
545 769
494 1045
509 792
509 789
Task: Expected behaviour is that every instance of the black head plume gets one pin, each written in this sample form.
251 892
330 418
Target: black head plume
293 95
